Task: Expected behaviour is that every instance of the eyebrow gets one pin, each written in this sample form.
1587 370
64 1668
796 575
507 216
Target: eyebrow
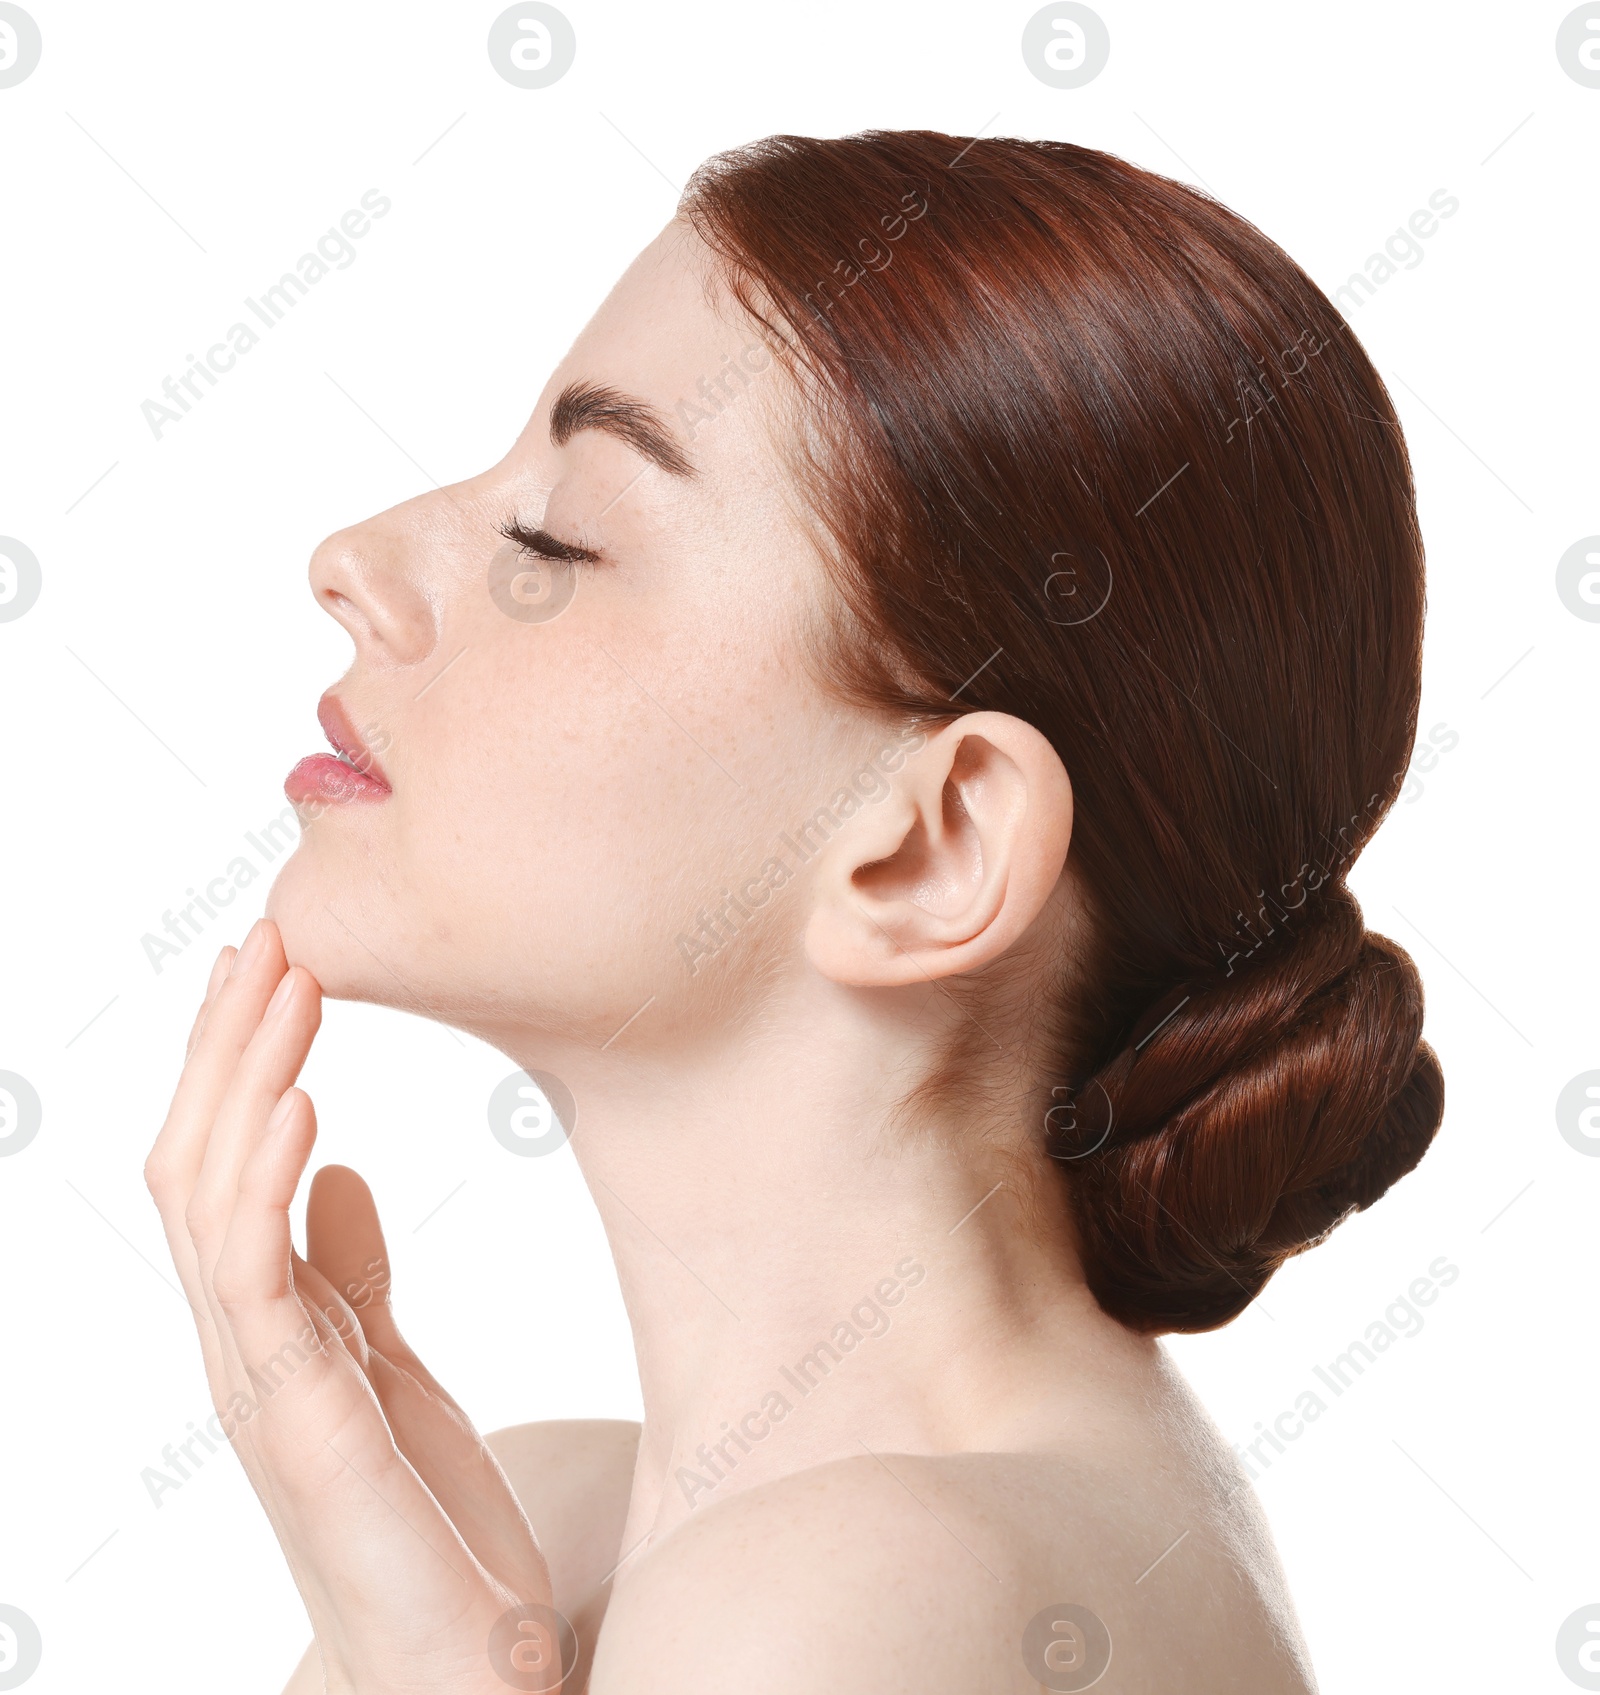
593 406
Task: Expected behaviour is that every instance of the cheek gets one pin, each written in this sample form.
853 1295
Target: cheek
556 812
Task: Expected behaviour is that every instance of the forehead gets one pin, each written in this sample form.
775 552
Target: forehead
669 334
660 314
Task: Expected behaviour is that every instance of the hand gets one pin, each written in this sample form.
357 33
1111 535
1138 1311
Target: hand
401 1531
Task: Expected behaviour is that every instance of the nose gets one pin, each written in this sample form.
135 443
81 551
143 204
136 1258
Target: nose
371 578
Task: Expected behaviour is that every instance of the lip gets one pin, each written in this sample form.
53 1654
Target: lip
350 773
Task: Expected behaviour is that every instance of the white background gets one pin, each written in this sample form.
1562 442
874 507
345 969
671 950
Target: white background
163 162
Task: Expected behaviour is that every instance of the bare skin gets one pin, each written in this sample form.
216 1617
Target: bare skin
886 1424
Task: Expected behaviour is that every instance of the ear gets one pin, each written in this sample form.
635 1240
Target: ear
952 867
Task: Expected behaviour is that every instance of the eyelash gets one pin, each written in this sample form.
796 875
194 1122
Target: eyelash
540 544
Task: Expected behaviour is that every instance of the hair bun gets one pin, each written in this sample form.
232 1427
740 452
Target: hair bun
1246 1117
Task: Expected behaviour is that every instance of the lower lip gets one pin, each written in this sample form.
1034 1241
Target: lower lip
325 779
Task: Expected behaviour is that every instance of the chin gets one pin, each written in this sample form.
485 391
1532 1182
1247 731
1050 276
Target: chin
343 924
303 902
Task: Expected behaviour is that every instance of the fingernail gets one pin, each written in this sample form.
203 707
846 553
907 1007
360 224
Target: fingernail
250 952
280 995
218 972
280 1113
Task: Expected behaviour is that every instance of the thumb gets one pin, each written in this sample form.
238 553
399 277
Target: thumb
344 1241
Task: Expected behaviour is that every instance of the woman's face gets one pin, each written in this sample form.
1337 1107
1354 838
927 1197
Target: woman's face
579 757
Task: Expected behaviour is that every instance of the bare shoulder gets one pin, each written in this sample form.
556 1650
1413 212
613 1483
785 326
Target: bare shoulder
559 1455
963 1572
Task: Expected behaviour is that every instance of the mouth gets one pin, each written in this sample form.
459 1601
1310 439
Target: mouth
350 773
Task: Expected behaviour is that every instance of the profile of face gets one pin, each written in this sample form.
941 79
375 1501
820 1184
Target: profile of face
562 754
736 706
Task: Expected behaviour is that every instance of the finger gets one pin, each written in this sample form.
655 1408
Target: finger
253 1258
195 1213
266 1070
170 1187
344 1241
219 972
246 1375
273 1331
174 1161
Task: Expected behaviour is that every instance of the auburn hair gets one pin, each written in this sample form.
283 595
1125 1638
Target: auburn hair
1091 450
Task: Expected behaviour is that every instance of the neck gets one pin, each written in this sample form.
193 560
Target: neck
807 1275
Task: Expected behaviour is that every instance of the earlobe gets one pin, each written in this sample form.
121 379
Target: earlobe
949 871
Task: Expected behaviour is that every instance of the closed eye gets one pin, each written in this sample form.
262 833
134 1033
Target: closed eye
542 545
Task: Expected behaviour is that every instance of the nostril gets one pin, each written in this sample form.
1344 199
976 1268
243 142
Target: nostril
348 613
342 607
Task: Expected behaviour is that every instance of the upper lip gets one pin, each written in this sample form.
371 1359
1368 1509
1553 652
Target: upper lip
345 740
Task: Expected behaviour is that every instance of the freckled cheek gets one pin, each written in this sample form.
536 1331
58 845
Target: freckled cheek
571 763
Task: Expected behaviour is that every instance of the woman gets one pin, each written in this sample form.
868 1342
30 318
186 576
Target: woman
889 738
